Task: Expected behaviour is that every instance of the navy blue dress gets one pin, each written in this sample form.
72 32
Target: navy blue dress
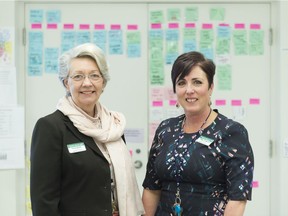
209 168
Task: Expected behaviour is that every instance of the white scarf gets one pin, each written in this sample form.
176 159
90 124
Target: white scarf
113 124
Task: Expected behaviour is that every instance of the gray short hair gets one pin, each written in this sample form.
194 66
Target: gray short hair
83 50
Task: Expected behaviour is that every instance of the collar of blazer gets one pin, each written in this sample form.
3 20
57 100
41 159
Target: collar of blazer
86 139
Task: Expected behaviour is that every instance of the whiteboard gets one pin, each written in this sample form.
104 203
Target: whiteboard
250 83
126 92
130 89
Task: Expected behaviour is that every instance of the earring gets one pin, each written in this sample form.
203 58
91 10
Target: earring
177 105
210 102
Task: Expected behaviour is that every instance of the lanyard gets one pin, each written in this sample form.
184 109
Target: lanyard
181 162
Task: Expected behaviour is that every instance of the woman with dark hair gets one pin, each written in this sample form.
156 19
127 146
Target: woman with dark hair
200 163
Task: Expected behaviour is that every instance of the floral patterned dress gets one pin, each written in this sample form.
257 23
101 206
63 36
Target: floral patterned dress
209 168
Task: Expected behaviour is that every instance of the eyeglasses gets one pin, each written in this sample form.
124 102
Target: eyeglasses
81 77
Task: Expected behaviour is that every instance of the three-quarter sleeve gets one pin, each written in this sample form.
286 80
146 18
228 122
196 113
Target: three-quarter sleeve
239 165
152 181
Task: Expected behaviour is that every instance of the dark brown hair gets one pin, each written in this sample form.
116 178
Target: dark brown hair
185 62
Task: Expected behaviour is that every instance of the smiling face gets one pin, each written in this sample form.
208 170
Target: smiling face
86 92
193 91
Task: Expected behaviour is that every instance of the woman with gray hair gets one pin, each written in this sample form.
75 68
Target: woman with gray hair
79 161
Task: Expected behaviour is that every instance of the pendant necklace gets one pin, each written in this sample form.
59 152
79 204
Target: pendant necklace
177 208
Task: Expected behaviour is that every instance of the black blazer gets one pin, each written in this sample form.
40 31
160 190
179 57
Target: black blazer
63 183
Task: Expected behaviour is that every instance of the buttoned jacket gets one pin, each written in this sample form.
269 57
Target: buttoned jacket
64 183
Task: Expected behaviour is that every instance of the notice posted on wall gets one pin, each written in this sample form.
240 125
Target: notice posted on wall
12 153
8 86
7 38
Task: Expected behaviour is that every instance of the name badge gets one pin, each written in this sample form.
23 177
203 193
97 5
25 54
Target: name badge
76 147
204 140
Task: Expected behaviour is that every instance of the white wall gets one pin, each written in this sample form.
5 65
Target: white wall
279 102
12 182
7 177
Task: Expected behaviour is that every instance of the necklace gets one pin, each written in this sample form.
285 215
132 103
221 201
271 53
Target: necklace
180 161
204 122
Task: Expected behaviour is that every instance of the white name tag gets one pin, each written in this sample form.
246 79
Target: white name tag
76 147
204 140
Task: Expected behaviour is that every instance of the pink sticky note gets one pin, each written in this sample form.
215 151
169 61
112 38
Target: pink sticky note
36 25
220 102
236 102
172 102
84 26
173 25
207 26
68 26
115 27
254 101
189 25
51 26
239 26
132 27
157 94
255 184
157 103
255 26
156 26
99 26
